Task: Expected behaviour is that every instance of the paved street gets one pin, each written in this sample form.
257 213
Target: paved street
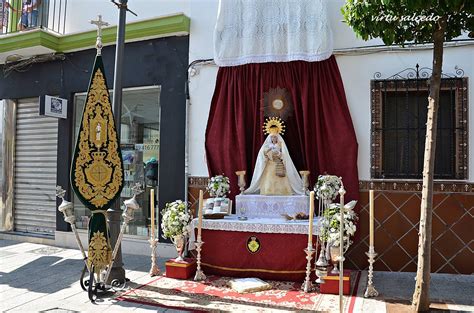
40 278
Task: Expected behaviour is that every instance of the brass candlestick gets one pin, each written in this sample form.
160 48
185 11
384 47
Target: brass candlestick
154 270
199 273
304 177
241 181
308 285
371 291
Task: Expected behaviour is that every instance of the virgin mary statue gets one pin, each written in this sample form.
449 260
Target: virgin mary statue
275 173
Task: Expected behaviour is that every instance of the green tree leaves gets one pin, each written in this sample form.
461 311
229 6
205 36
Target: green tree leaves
406 21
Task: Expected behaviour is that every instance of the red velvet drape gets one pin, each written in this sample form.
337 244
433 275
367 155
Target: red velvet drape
319 133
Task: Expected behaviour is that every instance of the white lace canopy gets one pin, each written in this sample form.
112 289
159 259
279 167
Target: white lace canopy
257 31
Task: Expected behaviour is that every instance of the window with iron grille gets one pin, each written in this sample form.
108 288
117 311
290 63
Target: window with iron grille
399 112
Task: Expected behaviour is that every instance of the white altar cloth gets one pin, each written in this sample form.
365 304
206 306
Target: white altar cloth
260 206
258 225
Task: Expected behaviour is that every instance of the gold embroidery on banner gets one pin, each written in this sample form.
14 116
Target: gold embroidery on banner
100 252
98 168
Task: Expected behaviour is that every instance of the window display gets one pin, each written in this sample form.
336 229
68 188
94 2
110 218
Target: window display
140 144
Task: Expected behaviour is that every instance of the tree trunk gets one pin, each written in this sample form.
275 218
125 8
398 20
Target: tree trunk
421 296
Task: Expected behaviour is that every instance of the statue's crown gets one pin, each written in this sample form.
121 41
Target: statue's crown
273 126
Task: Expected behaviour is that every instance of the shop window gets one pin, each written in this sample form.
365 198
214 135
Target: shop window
399 112
140 144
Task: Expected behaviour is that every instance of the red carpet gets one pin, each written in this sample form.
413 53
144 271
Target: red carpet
213 294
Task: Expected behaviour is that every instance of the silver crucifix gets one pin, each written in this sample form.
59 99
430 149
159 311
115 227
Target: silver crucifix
99 23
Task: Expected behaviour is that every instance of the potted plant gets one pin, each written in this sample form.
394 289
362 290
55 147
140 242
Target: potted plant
175 225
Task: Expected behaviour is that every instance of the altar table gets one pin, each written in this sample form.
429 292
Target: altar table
281 255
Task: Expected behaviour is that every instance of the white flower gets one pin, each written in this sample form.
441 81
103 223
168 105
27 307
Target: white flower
218 186
175 219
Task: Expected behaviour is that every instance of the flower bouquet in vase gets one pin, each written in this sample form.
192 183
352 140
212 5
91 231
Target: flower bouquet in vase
331 232
218 187
326 189
175 225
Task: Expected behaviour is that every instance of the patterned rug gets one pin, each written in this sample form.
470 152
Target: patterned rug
214 295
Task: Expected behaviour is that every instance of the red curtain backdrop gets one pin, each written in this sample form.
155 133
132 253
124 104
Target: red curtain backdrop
319 133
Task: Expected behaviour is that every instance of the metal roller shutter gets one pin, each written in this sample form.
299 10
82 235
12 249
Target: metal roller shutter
35 170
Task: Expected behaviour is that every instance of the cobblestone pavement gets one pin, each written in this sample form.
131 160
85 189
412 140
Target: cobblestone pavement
40 278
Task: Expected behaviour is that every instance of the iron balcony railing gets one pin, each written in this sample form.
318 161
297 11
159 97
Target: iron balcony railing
24 15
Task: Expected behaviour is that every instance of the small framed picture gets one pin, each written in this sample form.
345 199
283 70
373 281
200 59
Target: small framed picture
226 206
53 106
221 206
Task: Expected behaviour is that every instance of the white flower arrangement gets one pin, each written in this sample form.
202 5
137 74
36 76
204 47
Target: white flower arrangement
176 219
331 221
218 186
327 187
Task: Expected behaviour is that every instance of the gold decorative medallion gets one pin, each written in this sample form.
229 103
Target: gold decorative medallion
253 244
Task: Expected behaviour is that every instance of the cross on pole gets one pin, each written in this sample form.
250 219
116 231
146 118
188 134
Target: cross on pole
99 23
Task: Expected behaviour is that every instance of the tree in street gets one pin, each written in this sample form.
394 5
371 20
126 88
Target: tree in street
417 21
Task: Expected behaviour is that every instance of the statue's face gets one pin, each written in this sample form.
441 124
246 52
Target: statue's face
274 139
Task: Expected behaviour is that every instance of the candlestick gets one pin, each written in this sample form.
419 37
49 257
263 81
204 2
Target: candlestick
371 291
200 207
241 180
304 178
311 214
371 217
307 285
152 209
199 273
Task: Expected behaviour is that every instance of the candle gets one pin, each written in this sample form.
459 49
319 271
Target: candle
311 214
371 217
341 249
152 209
200 208
341 224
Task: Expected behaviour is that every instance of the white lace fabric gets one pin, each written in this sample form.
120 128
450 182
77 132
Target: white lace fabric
258 31
257 225
260 206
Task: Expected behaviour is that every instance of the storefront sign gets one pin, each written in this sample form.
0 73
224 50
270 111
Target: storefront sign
53 106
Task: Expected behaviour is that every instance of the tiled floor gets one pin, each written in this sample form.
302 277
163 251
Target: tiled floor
39 278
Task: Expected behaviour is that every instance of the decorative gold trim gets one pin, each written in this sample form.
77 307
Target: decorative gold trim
345 278
175 264
100 252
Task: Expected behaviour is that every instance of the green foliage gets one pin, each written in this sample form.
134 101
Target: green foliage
404 21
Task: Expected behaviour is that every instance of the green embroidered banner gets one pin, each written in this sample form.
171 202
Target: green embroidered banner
97 169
